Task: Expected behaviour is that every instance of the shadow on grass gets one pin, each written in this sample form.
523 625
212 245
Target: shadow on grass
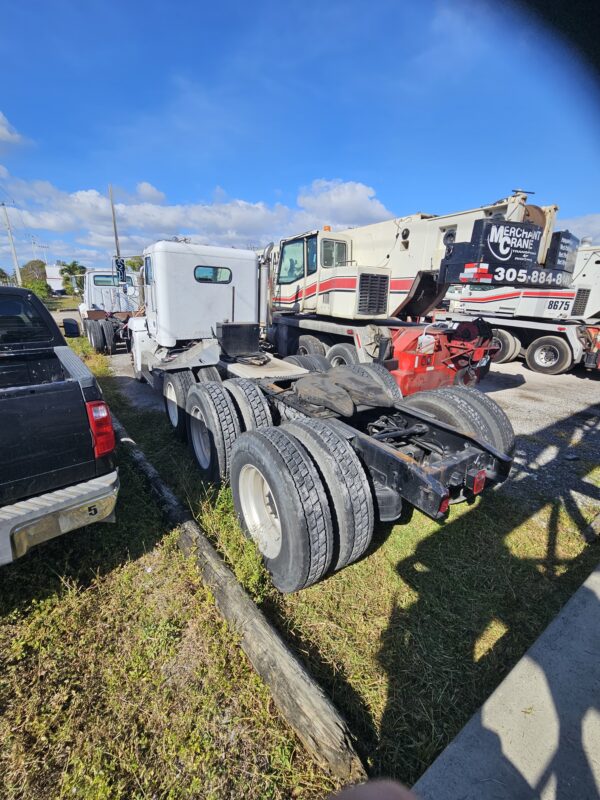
476 615
479 605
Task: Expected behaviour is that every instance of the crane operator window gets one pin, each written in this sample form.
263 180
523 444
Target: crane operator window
291 264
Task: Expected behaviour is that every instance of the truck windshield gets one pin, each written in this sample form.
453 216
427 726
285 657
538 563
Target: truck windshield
20 322
291 264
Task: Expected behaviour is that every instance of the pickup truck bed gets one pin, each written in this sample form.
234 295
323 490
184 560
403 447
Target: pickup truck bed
57 468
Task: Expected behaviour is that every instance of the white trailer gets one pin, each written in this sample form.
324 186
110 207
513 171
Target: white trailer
313 457
554 328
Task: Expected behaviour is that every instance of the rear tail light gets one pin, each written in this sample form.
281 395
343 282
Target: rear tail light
479 482
102 428
444 505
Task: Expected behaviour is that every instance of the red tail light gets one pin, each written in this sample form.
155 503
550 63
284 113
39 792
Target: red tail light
102 428
479 482
444 505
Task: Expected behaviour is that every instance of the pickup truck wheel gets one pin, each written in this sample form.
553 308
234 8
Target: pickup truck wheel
175 390
212 428
208 374
549 355
382 377
313 363
96 335
281 504
495 416
506 343
342 354
251 404
311 345
346 485
109 336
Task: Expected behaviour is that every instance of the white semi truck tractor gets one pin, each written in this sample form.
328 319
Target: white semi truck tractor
313 457
355 295
554 328
109 298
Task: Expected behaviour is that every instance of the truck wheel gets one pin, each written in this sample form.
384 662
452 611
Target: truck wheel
382 377
516 349
550 355
342 354
212 428
445 406
208 374
496 418
251 404
281 504
313 363
96 335
346 485
109 336
507 345
175 390
311 345
479 422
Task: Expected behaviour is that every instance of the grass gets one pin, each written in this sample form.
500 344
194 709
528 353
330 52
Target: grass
119 679
66 303
410 641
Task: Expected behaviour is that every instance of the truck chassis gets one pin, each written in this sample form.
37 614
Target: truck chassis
315 458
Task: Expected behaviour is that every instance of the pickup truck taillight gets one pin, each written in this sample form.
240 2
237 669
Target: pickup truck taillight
102 428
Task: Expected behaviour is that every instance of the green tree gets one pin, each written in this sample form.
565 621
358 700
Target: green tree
134 263
34 270
38 286
69 271
33 276
3 276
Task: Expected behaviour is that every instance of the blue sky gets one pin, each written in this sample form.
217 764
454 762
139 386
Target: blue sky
237 123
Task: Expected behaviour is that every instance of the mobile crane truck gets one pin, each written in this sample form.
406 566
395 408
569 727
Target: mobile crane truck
555 328
348 295
313 457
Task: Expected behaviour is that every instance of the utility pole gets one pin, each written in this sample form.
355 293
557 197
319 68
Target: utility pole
12 246
114 219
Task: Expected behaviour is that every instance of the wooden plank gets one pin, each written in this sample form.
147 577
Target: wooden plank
300 700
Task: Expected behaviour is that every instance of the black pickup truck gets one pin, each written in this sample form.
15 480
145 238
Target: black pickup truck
57 468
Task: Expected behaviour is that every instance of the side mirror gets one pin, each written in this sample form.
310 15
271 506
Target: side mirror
71 328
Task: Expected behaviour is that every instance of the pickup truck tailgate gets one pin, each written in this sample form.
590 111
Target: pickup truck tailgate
45 439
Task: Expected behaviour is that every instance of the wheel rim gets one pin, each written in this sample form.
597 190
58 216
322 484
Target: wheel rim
302 351
547 356
338 361
260 510
200 438
172 407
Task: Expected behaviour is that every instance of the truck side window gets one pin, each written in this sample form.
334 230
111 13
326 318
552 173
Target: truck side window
212 274
333 253
311 255
291 264
148 270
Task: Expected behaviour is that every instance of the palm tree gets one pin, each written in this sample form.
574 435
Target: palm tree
69 271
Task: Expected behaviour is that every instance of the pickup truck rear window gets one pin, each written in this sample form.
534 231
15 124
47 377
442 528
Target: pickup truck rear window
20 322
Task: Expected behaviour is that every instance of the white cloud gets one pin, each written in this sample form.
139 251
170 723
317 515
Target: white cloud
588 225
150 193
83 217
8 135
